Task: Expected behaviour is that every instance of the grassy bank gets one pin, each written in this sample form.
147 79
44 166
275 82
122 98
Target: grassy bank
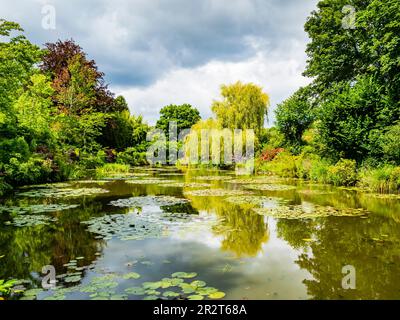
383 179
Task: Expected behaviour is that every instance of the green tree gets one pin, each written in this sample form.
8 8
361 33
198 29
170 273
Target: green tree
244 106
184 115
294 116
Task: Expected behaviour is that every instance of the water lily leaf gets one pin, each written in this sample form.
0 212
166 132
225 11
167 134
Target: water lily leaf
136 291
131 275
217 295
118 297
198 284
152 285
195 297
184 275
150 298
171 294
206 291
153 292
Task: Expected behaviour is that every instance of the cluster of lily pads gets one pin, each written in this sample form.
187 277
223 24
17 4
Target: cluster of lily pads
216 193
177 288
133 202
37 208
62 192
309 212
269 187
259 201
124 227
186 185
149 181
257 180
30 220
213 178
180 285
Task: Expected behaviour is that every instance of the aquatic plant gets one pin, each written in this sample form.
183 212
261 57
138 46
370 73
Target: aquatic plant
148 201
37 208
30 221
63 192
309 212
269 187
216 193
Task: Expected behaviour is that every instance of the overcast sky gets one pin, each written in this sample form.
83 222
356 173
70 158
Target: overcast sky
158 52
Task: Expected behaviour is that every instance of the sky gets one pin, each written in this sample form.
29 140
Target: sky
161 52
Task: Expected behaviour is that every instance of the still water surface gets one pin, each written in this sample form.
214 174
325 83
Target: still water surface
227 244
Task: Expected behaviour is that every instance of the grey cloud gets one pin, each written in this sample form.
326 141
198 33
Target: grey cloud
137 42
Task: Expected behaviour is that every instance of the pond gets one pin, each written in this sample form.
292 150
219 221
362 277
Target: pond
160 233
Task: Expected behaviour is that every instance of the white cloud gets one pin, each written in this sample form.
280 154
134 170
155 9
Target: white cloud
278 73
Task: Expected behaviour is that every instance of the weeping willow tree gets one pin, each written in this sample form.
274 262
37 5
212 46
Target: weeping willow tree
244 106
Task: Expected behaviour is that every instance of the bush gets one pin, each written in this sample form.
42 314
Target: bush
383 179
343 173
112 168
93 161
29 172
284 165
132 157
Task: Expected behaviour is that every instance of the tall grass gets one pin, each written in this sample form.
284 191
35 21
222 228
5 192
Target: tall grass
385 179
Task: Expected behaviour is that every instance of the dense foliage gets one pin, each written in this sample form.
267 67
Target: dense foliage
351 109
57 116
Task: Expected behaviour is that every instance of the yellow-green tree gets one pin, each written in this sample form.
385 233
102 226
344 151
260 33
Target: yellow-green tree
244 106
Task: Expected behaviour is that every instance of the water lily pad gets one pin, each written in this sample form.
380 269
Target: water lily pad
216 295
136 291
195 297
185 275
131 275
170 294
153 292
198 284
151 298
152 285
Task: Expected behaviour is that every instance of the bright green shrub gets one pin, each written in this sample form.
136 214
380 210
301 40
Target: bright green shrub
343 173
112 168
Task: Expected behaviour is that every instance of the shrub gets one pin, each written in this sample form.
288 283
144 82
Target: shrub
383 179
343 173
283 165
132 157
112 168
28 172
